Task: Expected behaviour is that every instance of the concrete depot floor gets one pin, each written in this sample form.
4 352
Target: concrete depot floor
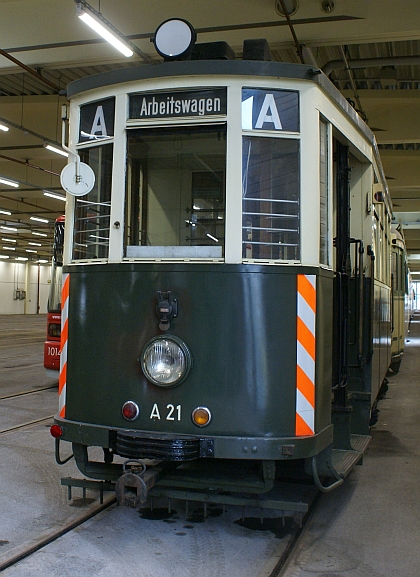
371 525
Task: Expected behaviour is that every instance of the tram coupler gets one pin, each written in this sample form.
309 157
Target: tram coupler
132 487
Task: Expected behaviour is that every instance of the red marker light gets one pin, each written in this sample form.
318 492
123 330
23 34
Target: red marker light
130 410
56 431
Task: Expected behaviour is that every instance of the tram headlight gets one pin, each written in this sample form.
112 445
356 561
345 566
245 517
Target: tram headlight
166 361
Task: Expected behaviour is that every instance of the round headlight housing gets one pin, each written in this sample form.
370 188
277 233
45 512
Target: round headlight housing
166 361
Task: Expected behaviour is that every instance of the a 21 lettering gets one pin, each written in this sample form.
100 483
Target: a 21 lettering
173 413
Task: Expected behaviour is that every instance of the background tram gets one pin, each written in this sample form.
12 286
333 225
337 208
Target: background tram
52 343
227 279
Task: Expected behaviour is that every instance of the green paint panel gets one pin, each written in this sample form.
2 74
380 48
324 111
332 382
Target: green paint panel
239 325
239 322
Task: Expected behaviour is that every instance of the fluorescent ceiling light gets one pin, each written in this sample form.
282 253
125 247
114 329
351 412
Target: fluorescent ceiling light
42 261
8 228
9 182
39 219
22 258
39 233
104 28
33 243
57 196
56 150
5 212
4 256
8 240
4 128
30 250
9 248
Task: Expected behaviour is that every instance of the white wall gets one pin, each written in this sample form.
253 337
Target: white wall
24 276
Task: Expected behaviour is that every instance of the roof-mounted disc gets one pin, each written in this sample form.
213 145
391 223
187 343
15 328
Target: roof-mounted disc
174 39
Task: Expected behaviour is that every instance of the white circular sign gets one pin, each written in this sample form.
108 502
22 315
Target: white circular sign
173 38
77 184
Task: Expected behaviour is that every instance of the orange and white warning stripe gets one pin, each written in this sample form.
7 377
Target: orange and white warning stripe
305 362
62 381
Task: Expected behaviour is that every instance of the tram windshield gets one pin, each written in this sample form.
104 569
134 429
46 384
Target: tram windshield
176 192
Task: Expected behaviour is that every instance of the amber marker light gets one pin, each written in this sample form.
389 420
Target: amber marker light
130 410
56 431
201 416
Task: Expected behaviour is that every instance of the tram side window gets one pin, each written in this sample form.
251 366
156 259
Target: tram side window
270 191
376 245
92 214
175 204
394 272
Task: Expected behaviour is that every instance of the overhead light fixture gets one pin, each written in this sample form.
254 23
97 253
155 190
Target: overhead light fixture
30 250
8 240
4 128
56 150
104 28
39 233
9 248
4 256
5 212
22 258
38 219
42 261
56 196
33 243
9 182
8 228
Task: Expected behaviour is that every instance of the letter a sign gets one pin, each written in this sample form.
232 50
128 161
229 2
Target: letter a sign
274 110
97 120
99 124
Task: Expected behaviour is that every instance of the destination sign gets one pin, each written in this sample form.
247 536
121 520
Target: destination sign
264 109
196 103
97 120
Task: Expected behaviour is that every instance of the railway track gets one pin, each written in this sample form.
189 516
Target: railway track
32 422
286 557
25 425
54 535
23 393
